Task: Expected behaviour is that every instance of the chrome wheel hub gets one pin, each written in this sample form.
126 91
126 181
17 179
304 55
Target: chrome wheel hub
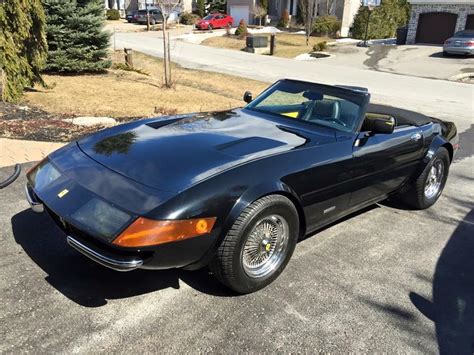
265 247
434 179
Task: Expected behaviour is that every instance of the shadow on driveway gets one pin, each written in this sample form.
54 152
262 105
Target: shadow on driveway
87 283
452 308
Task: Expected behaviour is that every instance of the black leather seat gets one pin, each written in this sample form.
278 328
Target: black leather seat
324 110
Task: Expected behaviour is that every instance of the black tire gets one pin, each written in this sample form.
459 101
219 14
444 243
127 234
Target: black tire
152 22
209 27
416 196
228 263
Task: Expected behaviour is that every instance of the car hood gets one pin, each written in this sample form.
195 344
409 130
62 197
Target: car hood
175 153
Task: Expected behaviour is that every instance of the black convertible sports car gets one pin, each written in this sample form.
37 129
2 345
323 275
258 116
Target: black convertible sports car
235 190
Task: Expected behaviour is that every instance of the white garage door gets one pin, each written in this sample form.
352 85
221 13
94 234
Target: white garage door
238 13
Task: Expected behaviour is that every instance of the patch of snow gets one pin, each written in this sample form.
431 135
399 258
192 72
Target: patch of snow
198 37
23 108
347 40
92 121
308 57
298 33
304 57
266 29
384 41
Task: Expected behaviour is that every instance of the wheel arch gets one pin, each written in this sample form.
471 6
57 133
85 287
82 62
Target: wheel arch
436 143
247 198
449 147
260 191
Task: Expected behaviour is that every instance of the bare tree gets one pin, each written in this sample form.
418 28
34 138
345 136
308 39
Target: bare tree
308 13
259 12
167 7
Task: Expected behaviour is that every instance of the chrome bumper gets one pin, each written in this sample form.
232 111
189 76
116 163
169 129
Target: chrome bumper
459 50
35 204
104 260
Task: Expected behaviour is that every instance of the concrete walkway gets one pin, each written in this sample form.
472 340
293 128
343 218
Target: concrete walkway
440 98
14 151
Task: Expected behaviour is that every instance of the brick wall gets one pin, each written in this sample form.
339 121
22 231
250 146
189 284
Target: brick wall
461 10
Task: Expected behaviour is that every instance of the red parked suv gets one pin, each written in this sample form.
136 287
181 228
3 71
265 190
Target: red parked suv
215 20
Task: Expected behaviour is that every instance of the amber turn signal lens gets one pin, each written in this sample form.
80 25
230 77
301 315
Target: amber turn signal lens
146 232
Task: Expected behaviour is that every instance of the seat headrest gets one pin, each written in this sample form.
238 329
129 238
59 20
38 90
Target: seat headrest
326 109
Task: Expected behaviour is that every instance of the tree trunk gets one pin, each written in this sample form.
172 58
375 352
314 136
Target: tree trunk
170 81
165 53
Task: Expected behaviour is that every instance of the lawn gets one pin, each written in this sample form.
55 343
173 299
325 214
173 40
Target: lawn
287 45
120 93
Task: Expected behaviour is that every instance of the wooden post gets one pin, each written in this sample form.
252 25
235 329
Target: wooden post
272 44
128 57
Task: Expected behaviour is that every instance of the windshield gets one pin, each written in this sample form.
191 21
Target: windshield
464 34
208 17
309 103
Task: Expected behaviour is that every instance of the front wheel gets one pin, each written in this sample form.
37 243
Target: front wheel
210 27
258 246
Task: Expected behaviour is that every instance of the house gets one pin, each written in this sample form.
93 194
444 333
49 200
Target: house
434 21
345 10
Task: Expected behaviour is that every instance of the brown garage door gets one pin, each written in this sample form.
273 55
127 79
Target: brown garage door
470 22
435 27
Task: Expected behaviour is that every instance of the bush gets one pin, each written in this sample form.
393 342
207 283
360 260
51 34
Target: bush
201 7
384 19
241 31
188 18
327 25
113 15
320 46
76 39
23 47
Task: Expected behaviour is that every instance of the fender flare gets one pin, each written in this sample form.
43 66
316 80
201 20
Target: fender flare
437 142
248 197
256 192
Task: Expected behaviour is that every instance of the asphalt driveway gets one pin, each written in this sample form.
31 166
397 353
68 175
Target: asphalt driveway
385 280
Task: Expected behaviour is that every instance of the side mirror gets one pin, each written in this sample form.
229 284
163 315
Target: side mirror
379 124
248 97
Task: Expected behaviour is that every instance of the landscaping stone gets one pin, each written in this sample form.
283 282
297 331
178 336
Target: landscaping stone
92 121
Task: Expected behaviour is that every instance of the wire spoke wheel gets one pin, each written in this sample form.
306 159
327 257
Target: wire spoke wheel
265 247
434 179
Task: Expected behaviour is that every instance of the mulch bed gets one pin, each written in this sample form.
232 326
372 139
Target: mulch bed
31 123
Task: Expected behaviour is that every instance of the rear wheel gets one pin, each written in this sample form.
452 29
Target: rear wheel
428 187
258 246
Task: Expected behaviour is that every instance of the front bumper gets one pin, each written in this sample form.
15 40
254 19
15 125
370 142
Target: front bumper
182 254
104 258
35 204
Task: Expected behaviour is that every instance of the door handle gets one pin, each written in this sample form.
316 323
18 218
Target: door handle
415 137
